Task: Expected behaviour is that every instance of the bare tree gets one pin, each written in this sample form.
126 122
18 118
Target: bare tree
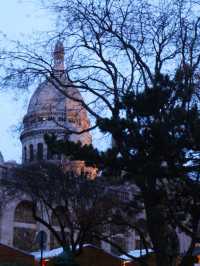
139 62
70 207
76 210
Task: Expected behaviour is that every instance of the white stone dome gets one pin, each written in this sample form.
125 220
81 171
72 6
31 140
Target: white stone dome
50 111
49 108
47 98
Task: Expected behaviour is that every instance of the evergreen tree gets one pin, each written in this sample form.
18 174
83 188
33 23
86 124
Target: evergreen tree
138 62
155 141
66 258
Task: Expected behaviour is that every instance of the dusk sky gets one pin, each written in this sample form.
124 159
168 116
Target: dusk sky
19 19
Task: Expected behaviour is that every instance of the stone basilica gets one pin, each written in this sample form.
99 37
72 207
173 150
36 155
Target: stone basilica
49 111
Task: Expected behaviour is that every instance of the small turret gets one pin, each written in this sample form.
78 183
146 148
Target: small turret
1 158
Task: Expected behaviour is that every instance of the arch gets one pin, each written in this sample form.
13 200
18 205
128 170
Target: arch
31 152
40 150
24 213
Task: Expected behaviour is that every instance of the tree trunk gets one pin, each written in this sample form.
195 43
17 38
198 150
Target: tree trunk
160 232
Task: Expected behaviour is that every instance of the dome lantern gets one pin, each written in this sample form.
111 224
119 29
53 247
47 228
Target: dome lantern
58 56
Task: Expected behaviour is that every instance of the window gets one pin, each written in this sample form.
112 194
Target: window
31 152
61 119
123 195
24 212
40 151
25 154
4 172
24 239
72 119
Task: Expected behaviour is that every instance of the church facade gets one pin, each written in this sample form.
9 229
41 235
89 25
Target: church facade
50 112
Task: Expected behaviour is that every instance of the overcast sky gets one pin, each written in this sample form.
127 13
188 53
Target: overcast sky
19 19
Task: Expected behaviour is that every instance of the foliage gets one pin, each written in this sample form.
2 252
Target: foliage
72 207
139 62
64 259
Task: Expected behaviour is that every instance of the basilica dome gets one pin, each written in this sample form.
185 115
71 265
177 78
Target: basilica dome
47 98
50 111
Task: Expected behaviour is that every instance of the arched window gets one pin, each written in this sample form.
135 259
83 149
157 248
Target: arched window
25 154
31 152
40 151
24 212
24 234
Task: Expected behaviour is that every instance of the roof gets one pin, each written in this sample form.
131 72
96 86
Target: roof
136 253
16 249
57 251
48 254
